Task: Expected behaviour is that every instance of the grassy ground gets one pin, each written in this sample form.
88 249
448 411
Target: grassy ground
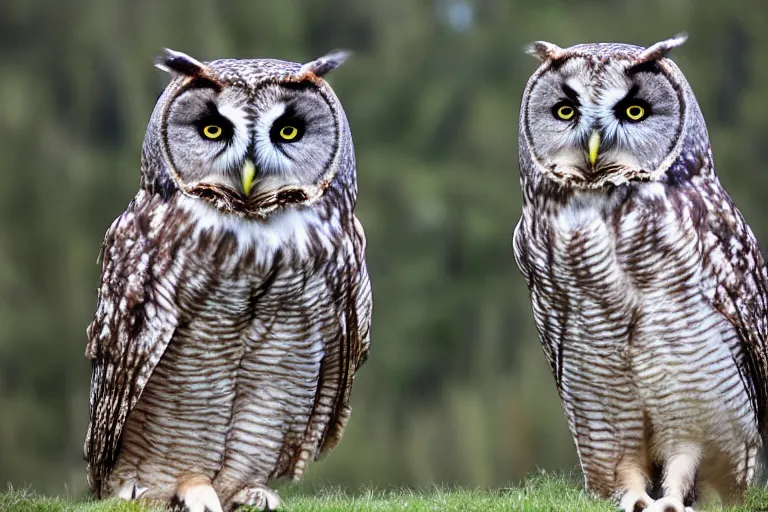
542 493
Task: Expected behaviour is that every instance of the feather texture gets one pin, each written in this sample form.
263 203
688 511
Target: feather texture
136 317
230 321
647 286
236 365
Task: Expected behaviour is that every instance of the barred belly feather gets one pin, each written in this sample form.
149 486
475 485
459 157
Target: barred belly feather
250 385
643 361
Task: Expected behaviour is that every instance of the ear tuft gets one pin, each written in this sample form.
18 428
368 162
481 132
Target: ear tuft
326 63
662 48
180 63
544 51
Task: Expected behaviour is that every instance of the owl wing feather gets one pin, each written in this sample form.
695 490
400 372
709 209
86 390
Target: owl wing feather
550 311
136 317
353 289
738 290
519 247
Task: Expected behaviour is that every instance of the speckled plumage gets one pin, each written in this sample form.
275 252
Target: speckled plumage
648 291
229 326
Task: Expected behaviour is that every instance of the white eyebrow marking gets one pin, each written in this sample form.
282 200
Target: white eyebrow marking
267 156
233 155
270 116
575 84
613 95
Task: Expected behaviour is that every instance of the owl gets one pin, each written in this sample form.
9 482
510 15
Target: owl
647 285
234 308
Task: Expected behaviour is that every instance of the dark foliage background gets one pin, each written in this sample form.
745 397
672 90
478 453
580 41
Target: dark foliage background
456 389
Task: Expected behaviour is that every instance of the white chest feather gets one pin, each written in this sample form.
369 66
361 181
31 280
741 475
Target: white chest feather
296 229
621 293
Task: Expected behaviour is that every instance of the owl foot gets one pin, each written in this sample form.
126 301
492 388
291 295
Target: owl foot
666 504
195 494
635 502
131 490
259 497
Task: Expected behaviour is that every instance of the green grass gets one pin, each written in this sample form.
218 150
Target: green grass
541 493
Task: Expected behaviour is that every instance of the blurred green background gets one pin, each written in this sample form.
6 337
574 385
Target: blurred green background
456 389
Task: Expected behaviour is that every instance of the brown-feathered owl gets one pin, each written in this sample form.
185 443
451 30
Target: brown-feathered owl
235 306
648 288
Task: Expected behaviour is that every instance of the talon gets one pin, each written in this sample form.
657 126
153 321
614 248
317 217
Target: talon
261 498
195 494
635 502
667 504
131 491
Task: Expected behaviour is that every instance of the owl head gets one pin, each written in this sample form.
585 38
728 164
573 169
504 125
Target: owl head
248 136
595 115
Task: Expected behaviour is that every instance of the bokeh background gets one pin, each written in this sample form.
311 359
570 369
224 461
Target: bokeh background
456 389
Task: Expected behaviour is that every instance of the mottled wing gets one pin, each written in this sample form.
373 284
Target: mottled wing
549 312
135 320
352 291
738 289
520 248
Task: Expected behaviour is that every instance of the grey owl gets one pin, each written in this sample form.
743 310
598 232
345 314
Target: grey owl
235 306
647 285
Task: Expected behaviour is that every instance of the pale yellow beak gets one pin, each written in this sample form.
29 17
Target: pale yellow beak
594 147
248 173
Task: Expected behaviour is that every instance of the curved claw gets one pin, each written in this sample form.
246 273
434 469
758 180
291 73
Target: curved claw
195 494
666 504
259 497
635 502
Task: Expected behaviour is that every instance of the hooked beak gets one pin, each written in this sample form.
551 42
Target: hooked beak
593 147
247 174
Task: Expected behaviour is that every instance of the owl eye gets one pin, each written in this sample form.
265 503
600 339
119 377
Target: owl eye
212 131
287 130
565 111
635 112
214 127
632 109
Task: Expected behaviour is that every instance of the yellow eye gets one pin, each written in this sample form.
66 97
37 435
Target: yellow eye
566 112
289 132
635 112
212 131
